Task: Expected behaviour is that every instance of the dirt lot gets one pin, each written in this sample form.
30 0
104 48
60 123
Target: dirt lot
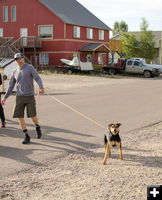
80 175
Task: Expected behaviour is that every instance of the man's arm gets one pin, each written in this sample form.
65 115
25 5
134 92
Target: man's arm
0 79
10 88
38 79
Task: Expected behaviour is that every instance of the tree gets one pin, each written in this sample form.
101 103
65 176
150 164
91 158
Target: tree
128 45
120 27
123 27
116 28
147 45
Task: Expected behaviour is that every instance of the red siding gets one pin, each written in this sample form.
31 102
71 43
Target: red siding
31 14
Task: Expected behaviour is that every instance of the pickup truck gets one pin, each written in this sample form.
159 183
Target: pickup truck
132 66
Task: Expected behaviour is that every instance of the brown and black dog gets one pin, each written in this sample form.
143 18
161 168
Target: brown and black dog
113 140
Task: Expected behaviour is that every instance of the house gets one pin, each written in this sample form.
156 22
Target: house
157 37
48 30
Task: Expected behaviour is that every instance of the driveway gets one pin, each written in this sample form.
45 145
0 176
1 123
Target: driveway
134 102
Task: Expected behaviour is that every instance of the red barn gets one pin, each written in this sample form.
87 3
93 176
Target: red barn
48 30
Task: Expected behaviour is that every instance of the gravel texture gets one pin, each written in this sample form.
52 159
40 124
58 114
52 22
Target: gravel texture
82 176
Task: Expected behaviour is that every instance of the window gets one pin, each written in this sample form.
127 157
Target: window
5 14
46 31
43 58
136 63
100 58
76 32
101 35
129 62
89 33
1 32
13 13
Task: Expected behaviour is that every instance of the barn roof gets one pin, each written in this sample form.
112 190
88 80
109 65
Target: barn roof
72 12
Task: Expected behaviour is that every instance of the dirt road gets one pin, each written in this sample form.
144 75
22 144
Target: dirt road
67 162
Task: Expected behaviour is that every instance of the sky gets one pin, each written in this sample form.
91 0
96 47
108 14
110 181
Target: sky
130 11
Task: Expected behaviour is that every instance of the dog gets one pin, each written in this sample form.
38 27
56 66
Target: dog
113 140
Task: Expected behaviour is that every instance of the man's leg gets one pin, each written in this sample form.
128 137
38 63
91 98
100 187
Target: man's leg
22 123
38 128
24 129
2 116
35 120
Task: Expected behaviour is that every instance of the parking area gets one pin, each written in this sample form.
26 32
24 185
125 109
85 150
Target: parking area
134 102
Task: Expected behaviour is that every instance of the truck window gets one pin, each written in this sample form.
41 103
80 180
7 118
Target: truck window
136 63
129 62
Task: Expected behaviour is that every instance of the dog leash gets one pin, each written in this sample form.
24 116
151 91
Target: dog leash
72 109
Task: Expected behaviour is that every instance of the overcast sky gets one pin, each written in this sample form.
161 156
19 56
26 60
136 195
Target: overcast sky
131 11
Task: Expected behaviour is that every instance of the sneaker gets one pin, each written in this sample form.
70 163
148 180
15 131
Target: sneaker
3 125
39 133
26 139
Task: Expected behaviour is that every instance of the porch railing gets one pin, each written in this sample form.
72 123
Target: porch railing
6 41
28 42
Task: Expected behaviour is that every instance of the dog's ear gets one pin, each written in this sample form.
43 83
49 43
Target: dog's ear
110 125
118 124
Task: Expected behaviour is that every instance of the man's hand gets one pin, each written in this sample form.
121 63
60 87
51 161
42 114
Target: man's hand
41 91
3 101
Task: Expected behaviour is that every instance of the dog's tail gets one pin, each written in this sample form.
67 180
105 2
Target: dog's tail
105 139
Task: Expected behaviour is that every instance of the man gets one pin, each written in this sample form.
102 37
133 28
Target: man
23 77
2 116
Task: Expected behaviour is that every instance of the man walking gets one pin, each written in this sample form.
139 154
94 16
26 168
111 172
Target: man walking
23 77
2 116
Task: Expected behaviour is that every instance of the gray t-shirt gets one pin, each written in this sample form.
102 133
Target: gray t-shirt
23 78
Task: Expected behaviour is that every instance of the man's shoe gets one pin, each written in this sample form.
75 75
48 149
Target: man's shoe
39 132
3 125
26 139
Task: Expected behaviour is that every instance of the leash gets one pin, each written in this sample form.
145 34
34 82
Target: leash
72 109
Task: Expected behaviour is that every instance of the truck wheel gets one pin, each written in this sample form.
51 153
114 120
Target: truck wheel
111 71
69 72
147 74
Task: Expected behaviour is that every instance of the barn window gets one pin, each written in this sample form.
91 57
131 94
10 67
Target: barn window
76 32
5 13
1 32
43 59
46 31
101 35
89 33
100 58
13 13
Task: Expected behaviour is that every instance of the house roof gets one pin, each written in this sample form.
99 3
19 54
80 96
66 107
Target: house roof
94 47
72 12
157 37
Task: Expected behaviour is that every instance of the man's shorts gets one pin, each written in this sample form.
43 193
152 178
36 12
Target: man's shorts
23 102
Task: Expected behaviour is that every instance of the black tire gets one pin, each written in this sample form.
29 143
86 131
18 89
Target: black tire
4 77
111 71
104 71
69 72
147 74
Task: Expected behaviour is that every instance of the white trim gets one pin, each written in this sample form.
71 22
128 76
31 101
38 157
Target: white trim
49 25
